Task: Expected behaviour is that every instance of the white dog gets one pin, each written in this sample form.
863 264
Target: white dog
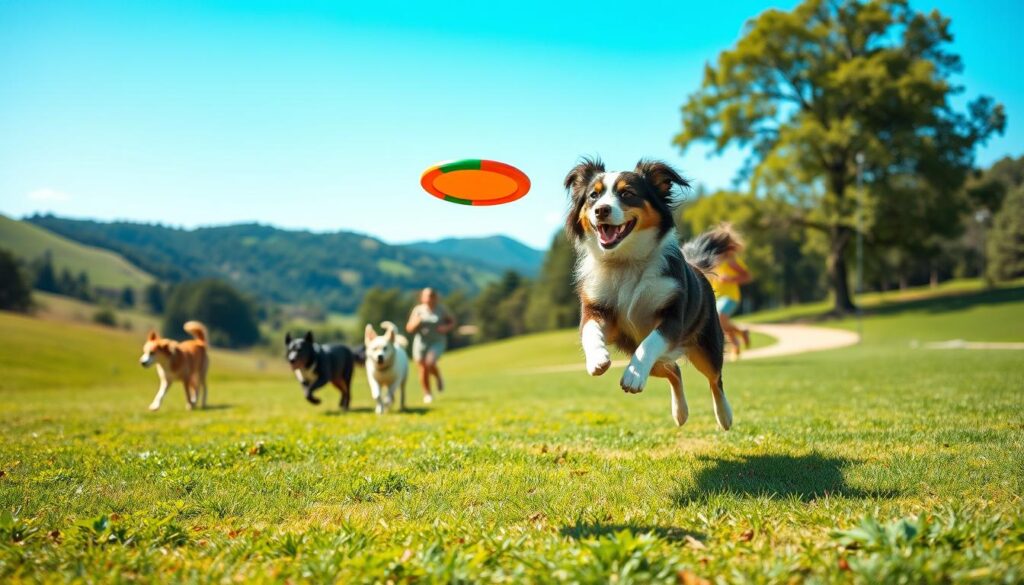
387 365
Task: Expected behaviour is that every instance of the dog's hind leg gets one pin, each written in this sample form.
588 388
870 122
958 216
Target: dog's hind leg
346 394
712 370
202 380
670 371
190 392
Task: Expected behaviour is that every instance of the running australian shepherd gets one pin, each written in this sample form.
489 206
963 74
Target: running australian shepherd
186 361
638 289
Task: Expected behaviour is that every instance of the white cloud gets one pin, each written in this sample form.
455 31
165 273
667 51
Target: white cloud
554 217
48 195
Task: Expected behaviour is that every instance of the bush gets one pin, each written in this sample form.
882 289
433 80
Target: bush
105 317
227 314
15 294
1006 239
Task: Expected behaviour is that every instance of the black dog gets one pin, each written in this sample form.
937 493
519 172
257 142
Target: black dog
315 365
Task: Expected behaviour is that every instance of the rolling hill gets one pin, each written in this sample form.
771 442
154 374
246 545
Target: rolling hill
333 270
500 252
106 269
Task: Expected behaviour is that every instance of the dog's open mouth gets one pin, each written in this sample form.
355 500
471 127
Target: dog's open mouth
610 235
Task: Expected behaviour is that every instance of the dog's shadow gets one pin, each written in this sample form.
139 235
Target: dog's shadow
805 477
413 410
586 530
218 407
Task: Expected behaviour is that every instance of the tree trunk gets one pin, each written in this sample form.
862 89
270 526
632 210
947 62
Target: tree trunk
837 273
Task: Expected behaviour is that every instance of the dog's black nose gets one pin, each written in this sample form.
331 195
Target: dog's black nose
602 211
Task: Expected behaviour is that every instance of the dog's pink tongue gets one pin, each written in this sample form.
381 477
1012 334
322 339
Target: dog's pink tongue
607 232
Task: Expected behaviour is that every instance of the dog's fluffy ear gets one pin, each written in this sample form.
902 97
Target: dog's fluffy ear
576 183
581 175
288 338
309 337
390 334
152 335
662 178
370 332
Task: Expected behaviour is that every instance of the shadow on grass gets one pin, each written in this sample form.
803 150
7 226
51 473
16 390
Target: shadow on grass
941 302
582 530
806 477
218 407
951 301
417 410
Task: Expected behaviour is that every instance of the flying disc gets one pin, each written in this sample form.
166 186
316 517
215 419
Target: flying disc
474 181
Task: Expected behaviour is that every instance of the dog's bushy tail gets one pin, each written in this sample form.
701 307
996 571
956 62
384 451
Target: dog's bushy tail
400 339
707 250
197 330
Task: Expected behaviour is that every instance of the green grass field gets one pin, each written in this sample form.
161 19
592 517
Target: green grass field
105 269
878 463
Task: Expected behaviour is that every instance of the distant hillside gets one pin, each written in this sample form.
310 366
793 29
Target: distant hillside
333 270
106 269
500 252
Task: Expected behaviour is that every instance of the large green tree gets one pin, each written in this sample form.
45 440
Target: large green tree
229 315
553 302
808 91
1006 239
15 293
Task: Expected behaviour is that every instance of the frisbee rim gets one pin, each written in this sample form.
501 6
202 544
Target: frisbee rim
479 165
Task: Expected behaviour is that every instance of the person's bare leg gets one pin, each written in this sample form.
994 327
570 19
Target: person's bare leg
424 377
435 371
730 330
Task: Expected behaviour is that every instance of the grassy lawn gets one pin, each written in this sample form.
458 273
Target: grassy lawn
105 268
870 464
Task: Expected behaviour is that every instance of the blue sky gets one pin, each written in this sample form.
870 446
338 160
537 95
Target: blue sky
322 115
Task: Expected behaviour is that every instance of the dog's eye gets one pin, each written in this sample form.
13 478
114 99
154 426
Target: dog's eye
594 195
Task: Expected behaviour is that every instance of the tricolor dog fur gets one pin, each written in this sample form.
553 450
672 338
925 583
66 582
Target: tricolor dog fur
186 361
638 289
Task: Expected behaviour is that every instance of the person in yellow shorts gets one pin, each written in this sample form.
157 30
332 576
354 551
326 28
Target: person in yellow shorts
726 281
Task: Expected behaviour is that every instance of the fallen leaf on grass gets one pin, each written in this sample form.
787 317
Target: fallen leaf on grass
843 564
537 517
747 536
694 543
691 578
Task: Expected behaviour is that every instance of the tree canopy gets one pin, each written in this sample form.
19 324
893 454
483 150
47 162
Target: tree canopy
229 316
810 92
15 294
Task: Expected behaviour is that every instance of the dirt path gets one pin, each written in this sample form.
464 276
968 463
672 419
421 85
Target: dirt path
789 340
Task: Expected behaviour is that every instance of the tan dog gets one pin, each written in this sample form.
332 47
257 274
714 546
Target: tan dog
186 361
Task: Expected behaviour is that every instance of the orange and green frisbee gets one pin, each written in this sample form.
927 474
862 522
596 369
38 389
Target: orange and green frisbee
474 181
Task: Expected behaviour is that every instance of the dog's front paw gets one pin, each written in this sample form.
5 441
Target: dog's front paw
154 406
599 364
380 408
633 379
313 399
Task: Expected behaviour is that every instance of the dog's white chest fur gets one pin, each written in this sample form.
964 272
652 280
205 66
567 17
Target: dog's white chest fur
634 290
306 375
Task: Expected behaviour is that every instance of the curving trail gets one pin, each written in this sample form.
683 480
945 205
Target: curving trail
789 340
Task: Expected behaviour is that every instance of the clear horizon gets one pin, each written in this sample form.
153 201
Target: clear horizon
321 117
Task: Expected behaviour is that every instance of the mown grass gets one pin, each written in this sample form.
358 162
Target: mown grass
876 463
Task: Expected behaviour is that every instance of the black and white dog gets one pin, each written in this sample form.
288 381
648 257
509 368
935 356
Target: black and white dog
638 289
315 365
